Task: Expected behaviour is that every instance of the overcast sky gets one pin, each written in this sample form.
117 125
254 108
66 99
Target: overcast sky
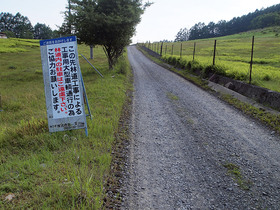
161 21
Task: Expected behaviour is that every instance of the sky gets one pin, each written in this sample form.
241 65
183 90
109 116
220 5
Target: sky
162 20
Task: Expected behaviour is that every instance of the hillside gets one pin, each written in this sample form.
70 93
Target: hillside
259 19
233 55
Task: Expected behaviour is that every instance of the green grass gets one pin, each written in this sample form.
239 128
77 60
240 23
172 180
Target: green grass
64 170
234 54
17 45
272 120
172 97
235 172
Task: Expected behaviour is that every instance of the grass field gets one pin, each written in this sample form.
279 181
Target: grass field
64 170
234 55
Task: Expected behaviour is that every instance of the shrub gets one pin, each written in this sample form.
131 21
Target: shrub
213 69
237 75
266 78
183 63
194 66
173 61
122 65
241 76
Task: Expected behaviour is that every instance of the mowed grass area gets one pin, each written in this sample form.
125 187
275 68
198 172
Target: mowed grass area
234 55
64 170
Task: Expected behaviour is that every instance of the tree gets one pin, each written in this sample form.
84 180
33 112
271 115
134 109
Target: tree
19 25
110 23
66 28
6 22
266 20
197 31
41 31
22 27
182 35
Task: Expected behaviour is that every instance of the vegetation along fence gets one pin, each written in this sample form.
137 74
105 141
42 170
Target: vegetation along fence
248 57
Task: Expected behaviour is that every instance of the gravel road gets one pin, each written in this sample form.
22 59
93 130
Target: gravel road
190 150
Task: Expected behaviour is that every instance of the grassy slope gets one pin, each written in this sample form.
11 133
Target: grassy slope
234 54
62 170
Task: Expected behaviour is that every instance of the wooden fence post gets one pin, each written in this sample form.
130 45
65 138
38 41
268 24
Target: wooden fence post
165 49
194 45
161 49
181 50
214 56
172 49
251 63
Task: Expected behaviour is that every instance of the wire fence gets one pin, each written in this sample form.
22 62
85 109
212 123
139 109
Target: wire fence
258 58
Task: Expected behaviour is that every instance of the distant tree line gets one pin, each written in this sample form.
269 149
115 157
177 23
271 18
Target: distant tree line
19 26
258 19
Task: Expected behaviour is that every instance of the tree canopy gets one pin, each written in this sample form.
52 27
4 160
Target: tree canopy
110 23
41 31
19 26
182 35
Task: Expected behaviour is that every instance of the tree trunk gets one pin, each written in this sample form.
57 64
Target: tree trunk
91 52
110 57
111 63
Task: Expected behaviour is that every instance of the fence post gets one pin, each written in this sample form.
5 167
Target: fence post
251 63
214 56
194 45
172 49
161 49
181 50
165 49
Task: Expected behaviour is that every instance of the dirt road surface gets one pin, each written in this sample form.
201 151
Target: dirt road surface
190 150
